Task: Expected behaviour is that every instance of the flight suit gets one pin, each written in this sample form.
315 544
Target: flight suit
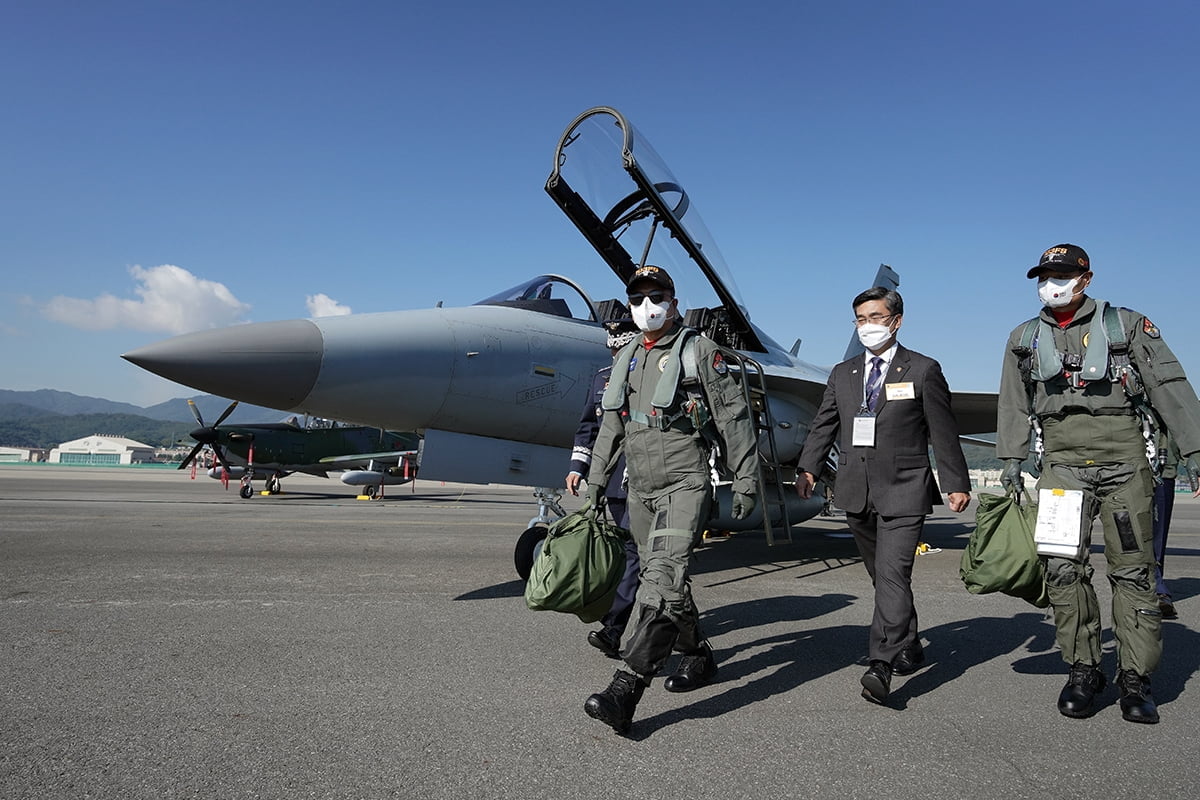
1093 441
670 487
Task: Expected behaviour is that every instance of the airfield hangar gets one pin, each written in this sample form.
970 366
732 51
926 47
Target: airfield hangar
101 450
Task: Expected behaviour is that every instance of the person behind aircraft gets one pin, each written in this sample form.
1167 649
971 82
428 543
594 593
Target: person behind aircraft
1164 509
608 638
670 391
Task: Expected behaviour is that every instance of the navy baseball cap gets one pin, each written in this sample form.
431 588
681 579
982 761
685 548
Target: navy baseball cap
653 274
1062 258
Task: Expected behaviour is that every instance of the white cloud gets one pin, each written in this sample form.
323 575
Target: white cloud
171 300
322 305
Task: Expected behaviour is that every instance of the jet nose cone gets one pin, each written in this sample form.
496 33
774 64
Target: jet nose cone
272 364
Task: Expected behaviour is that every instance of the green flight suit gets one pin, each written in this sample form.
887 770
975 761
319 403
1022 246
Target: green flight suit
670 486
1093 441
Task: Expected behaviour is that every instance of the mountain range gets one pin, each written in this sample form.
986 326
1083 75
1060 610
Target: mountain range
17 405
47 417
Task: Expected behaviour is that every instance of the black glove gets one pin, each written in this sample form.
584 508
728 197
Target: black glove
1011 478
1192 465
743 504
594 492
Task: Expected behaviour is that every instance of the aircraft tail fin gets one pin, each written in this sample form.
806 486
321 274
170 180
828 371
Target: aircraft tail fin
888 279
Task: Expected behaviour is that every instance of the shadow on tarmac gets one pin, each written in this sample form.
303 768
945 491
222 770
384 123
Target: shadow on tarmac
788 661
791 660
513 588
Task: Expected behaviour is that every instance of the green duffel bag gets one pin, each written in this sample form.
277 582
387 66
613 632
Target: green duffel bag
1001 555
580 565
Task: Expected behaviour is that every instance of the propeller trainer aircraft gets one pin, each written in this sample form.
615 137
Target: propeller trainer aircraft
496 388
367 457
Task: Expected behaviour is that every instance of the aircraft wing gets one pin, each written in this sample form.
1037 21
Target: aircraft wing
976 440
975 411
806 383
363 460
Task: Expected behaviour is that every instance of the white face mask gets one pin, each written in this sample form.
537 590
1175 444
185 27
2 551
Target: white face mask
1057 292
873 336
650 316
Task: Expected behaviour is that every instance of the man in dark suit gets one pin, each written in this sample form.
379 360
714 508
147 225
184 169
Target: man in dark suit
883 410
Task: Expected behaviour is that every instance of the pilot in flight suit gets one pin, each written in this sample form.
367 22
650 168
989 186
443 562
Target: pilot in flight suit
1094 380
661 420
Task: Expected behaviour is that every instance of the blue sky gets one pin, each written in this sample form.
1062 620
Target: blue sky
170 166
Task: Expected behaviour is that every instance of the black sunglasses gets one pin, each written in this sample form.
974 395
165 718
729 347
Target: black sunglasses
636 298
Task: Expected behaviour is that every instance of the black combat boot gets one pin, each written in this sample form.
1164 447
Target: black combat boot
694 671
1083 684
615 704
1137 704
607 641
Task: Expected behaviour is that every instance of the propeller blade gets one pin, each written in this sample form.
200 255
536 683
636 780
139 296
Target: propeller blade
191 455
196 413
221 458
228 411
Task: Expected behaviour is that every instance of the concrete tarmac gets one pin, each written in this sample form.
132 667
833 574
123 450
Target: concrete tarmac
161 637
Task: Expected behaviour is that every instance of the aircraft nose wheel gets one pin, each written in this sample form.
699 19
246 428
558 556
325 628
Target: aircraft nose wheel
527 549
246 491
273 484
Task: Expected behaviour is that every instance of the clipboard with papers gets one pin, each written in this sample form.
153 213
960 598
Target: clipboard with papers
1059 529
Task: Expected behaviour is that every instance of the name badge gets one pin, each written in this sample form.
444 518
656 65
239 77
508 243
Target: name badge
899 391
864 431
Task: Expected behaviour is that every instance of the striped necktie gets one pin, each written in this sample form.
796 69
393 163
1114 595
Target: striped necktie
874 382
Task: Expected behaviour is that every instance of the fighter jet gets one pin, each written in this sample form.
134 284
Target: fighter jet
367 457
496 388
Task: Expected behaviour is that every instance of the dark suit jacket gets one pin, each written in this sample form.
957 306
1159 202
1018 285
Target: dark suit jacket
895 473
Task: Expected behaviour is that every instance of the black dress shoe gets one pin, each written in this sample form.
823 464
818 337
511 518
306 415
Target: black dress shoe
909 660
607 641
1137 704
877 682
694 671
1083 683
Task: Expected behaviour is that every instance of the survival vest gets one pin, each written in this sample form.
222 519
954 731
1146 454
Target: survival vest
682 371
1106 358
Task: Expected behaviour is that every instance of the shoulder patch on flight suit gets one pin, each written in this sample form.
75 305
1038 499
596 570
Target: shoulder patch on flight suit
719 366
1086 336
662 362
1150 329
632 363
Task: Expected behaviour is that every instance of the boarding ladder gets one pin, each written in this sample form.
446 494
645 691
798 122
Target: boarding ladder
772 475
